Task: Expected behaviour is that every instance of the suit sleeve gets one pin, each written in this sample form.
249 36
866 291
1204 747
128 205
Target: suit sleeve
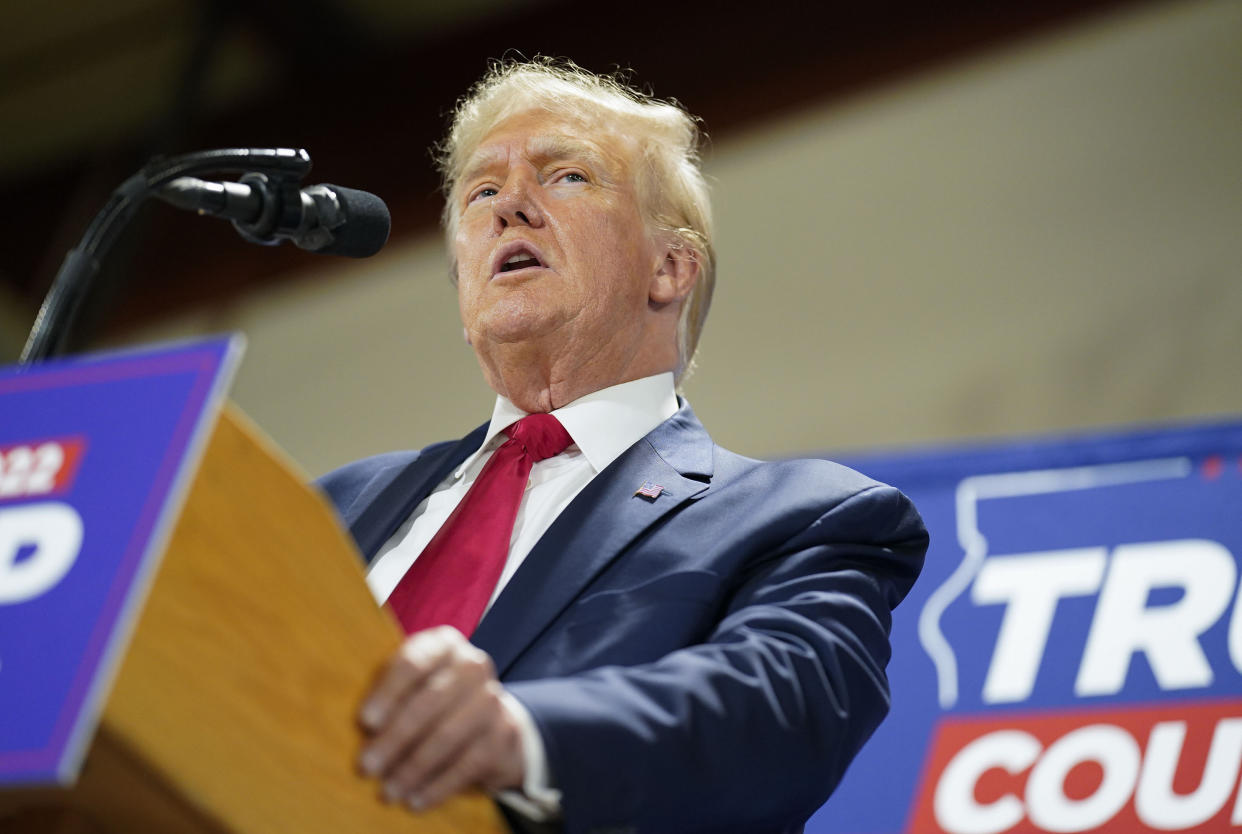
752 729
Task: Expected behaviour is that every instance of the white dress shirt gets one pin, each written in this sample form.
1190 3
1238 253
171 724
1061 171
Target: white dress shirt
602 425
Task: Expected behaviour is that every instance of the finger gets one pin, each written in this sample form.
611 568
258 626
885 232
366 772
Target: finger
424 708
491 759
419 656
460 775
444 743
412 720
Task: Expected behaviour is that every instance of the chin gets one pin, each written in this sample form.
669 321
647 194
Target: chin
514 327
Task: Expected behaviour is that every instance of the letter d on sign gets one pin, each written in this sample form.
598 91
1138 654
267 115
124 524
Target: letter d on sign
54 530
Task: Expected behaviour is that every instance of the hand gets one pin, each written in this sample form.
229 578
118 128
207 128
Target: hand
438 723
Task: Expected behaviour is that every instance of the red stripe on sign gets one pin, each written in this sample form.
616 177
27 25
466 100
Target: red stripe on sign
40 467
1134 769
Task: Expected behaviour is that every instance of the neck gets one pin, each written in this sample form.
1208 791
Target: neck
536 382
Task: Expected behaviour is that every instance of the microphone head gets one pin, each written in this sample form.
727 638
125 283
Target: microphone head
366 226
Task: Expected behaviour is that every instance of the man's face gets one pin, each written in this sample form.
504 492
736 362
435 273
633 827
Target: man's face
551 245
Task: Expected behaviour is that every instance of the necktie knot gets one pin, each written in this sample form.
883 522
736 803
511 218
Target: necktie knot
541 435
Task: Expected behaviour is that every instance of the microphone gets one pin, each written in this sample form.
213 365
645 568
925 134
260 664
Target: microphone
327 219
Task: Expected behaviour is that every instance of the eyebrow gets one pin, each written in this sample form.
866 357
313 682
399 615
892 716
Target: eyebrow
546 148
542 149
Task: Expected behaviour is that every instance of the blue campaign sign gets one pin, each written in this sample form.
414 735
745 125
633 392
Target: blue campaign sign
1071 658
95 456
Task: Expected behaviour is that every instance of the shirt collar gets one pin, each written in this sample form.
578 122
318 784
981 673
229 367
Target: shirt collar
604 423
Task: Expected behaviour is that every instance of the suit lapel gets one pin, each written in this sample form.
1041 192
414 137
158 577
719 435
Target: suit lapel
389 502
597 526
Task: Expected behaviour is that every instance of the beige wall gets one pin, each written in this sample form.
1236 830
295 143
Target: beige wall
1046 238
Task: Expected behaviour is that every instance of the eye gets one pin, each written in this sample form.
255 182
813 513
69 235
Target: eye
570 176
485 191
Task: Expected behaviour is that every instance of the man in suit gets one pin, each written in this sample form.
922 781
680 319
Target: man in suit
672 637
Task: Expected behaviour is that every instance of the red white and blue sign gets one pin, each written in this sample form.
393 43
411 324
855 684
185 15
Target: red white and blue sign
1071 658
95 456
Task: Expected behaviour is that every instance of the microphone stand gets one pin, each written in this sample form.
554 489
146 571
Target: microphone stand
64 300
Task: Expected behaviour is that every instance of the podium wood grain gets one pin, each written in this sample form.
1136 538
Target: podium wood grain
234 707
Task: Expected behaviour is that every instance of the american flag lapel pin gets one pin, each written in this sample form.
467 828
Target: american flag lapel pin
649 490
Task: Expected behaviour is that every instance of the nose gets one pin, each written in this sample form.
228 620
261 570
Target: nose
516 205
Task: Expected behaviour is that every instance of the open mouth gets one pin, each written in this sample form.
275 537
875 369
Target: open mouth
515 256
520 260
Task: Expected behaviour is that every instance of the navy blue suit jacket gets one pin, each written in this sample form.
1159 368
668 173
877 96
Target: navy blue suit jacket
710 660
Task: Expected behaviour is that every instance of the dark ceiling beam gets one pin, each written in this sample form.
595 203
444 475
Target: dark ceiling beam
308 36
34 63
368 120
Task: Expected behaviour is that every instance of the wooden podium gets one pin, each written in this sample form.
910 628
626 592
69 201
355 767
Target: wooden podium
234 706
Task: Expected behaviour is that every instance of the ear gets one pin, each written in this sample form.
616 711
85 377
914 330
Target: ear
675 276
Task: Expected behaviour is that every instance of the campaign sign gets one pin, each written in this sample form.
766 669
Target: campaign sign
1071 658
95 456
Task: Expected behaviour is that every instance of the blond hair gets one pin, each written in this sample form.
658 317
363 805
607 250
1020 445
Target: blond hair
670 183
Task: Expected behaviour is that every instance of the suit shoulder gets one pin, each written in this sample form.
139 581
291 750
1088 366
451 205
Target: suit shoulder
343 484
814 474
366 468
815 488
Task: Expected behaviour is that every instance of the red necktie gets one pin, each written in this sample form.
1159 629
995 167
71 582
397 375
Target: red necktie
453 578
